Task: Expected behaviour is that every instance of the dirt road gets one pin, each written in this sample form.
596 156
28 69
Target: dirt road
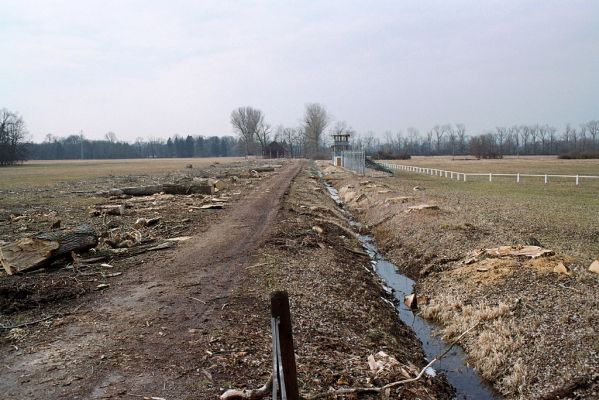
139 337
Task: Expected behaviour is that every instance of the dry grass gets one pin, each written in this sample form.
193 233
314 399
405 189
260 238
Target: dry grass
561 216
508 165
539 327
491 348
46 173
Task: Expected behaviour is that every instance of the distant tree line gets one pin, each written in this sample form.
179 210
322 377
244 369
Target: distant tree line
452 139
310 138
77 147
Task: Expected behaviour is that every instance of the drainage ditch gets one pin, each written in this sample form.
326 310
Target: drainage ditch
460 375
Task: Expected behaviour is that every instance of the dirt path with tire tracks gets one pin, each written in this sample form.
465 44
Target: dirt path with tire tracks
137 338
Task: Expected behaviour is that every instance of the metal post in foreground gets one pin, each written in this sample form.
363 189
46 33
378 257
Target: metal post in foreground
279 305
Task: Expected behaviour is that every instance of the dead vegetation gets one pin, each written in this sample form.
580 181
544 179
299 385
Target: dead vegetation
348 340
482 261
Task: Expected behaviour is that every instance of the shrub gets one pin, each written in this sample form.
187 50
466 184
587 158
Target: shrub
579 155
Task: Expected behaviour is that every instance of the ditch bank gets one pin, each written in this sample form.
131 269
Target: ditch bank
536 317
447 358
346 333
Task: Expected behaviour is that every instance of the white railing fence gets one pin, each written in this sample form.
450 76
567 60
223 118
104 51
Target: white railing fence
463 176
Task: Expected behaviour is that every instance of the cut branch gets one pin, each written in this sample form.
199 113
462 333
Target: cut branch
249 394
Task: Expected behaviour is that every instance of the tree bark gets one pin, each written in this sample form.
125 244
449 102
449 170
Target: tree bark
43 248
202 187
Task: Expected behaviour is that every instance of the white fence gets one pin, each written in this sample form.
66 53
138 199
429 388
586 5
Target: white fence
463 176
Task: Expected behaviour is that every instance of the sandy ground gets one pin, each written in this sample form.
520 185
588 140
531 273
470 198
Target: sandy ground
190 322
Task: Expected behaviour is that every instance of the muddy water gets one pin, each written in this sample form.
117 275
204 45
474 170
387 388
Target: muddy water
463 378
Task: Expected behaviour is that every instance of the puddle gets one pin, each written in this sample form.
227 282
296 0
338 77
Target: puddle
463 378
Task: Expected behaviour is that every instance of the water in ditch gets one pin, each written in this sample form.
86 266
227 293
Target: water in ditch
463 378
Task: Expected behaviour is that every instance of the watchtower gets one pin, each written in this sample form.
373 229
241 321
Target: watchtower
340 144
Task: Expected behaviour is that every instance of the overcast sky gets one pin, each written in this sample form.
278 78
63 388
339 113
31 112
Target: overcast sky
158 68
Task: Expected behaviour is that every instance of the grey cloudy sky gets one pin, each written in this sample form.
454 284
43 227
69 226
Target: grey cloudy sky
157 68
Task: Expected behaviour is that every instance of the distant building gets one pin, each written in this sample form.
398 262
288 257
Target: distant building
274 150
340 144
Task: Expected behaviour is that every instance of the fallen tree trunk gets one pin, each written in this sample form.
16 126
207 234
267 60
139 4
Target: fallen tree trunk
201 187
195 187
263 169
141 190
43 248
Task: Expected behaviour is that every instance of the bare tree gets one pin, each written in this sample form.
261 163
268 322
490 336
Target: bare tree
411 140
315 121
12 135
247 121
453 137
543 131
525 135
551 131
263 135
439 132
500 136
110 137
534 134
460 131
369 142
514 137
574 135
400 141
582 135
593 128
429 141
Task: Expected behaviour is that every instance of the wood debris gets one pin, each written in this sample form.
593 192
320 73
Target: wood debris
594 267
561 268
421 207
42 248
518 251
399 199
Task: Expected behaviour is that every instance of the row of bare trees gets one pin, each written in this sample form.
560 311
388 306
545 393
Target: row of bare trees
309 139
305 140
452 139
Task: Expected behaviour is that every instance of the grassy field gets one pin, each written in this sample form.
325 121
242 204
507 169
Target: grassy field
47 173
508 165
560 214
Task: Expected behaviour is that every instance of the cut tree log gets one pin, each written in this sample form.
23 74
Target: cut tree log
263 169
109 209
43 248
142 190
196 186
